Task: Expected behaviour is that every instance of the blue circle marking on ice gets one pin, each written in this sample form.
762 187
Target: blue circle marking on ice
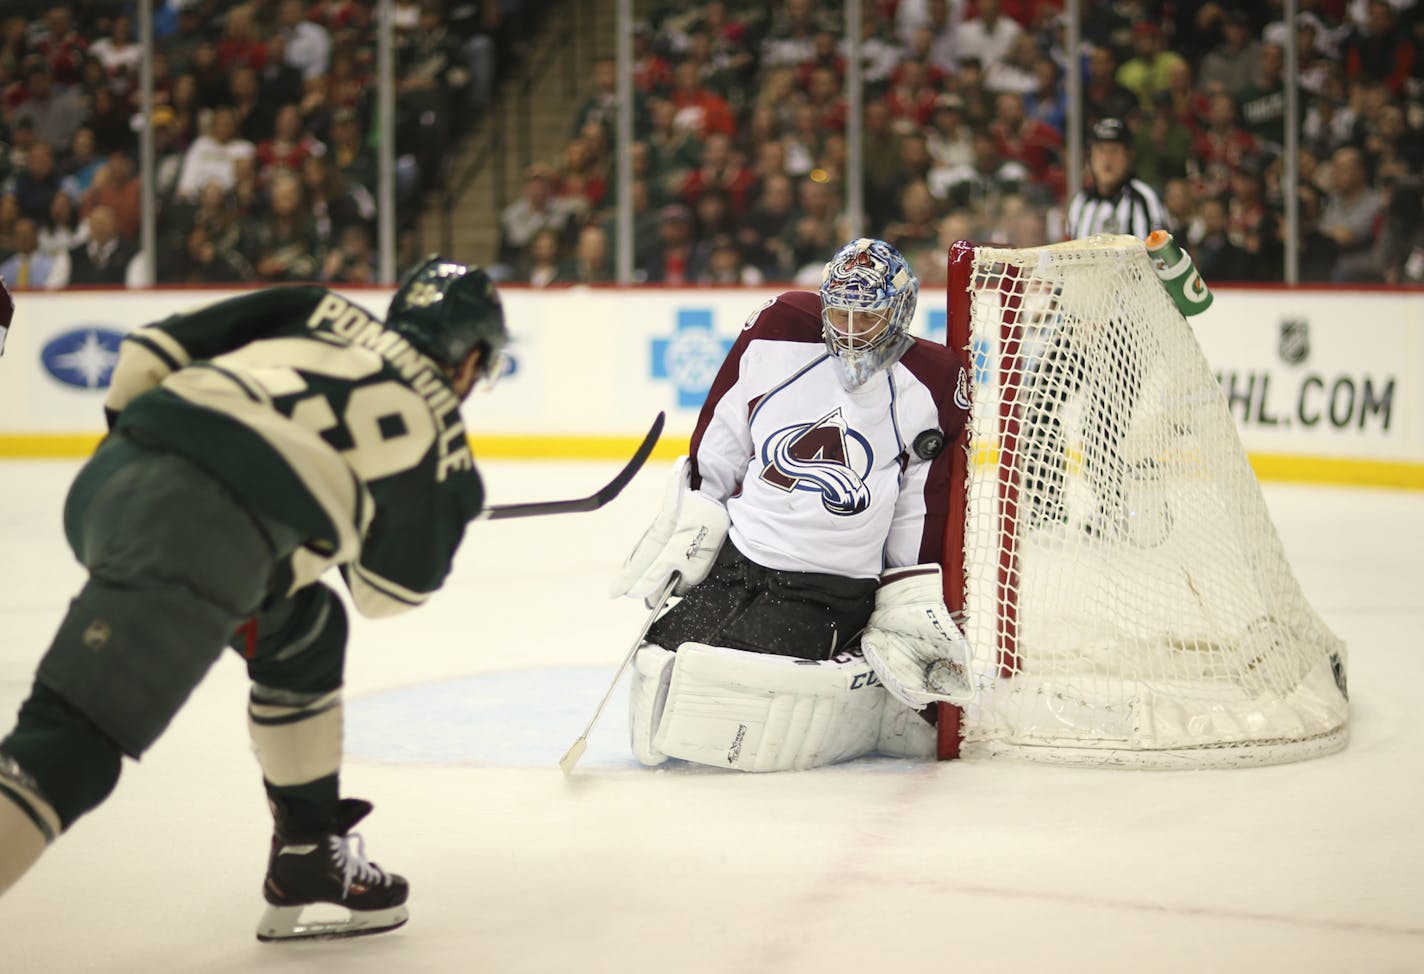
513 719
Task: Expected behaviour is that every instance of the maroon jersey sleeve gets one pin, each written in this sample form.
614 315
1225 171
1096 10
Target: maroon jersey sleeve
941 370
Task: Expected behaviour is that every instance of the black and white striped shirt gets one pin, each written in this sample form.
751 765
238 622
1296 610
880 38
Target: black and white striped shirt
1133 209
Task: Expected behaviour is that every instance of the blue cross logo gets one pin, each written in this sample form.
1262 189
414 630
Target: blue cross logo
691 356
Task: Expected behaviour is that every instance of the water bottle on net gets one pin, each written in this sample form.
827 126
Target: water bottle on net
1178 274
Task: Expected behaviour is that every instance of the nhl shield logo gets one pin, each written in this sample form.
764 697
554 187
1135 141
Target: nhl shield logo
1294 347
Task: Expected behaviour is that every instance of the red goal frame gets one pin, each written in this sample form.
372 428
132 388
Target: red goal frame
959 307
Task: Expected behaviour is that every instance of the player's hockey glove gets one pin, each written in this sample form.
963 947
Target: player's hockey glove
913 643
685 537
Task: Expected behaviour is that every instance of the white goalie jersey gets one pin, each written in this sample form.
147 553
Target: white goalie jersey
818 478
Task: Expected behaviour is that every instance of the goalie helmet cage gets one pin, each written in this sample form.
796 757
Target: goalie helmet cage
1127 596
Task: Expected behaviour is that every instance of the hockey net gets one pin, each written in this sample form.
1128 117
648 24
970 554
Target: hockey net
1128 599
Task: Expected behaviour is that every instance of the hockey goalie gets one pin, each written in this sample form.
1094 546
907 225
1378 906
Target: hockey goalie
803 536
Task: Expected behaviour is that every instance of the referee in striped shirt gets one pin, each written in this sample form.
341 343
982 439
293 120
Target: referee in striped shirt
1115 202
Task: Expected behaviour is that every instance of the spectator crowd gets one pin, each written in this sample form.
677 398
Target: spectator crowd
264 131
740 147
266 159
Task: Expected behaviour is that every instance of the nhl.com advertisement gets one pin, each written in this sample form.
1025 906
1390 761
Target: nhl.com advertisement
1318 379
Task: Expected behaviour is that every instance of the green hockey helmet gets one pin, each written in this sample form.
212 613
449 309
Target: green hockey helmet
447 310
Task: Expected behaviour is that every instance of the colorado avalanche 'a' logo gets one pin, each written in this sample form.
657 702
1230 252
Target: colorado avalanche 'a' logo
824 456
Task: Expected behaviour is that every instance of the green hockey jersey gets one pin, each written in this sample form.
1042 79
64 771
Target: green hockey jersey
313 413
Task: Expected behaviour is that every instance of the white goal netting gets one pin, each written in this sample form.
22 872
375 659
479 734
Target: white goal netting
1128 598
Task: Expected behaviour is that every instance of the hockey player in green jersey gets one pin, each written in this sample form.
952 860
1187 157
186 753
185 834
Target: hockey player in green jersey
256 443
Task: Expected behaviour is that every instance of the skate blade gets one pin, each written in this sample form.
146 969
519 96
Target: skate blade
326 921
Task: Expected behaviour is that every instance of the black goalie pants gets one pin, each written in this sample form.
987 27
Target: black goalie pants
741 605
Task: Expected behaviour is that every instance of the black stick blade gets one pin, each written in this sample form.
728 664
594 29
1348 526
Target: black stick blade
593 501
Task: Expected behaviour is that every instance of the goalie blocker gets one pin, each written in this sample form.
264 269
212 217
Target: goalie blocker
684 538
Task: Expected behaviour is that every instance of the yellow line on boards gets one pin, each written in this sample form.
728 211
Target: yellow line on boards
45 446
1320 470
1268 467
541 447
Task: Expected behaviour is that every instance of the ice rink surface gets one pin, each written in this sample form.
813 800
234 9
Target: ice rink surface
458 713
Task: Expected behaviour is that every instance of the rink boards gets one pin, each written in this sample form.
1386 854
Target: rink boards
1324 384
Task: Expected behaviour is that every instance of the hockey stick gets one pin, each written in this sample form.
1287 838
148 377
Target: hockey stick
576 749
592 502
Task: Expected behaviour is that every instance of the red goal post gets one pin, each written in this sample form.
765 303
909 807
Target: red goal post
1127 597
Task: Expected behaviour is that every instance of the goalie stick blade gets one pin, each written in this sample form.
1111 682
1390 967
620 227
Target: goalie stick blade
592 502
571 758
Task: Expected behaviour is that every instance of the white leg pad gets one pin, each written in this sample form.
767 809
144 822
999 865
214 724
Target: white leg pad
652 671
756 712
904 733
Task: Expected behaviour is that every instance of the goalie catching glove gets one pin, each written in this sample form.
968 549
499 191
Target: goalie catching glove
685 538
912 642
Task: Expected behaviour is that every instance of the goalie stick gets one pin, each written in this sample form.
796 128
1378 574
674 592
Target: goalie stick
576 749
498 512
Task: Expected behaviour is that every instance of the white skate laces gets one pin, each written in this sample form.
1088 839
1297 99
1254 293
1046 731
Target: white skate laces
356 870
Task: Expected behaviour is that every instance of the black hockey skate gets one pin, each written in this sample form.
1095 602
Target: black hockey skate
318 865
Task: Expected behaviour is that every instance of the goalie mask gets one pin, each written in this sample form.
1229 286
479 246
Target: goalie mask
447 310
868 295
